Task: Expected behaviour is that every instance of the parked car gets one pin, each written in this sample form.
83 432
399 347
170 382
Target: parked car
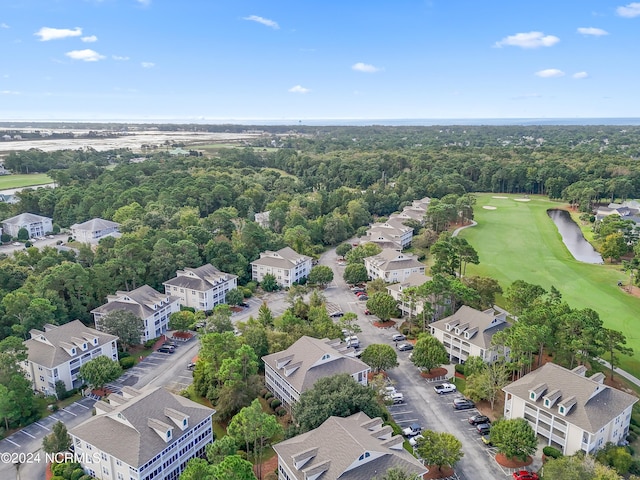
398 337
367 312
166 349
395 398
170 343
388 390
413 441
405 347
357 289
191 366
463 404
363 297
244 304
445 388
483 428
353 341
477 419
412 430
360 292
337 314
486 439
525 475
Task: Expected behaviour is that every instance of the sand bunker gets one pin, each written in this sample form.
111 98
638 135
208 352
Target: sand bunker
488 207
496 196
522 199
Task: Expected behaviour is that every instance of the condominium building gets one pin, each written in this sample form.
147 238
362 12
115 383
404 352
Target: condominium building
286 265
201 288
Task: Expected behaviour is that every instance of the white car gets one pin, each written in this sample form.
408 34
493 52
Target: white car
445 388
398 337
413 441
412 430
395 398
386 391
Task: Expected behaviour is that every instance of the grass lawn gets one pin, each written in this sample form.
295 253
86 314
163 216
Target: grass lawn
22 180
518 241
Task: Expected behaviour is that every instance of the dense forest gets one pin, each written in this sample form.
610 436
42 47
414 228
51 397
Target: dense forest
322 186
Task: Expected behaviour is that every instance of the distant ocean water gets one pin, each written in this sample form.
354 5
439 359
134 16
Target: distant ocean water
631 121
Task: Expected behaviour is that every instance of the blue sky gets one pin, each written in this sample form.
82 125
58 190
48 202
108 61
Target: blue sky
211 60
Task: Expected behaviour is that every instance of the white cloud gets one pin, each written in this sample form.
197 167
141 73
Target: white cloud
89 39
364 67
119 58
580 75
299 89
87 55
4 25
46 33
147 64
596 32
9 92
144 3
263 21
629 11
528 40
550 73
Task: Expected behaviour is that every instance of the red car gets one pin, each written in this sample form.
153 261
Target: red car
525 475
367 312
358 294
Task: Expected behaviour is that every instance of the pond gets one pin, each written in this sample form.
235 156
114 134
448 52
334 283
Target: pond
572 237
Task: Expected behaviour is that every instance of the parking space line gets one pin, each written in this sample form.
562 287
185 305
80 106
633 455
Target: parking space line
81 405
9 440
55 418
74 414
40 425
27 433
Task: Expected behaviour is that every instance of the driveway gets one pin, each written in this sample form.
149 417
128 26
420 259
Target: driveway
421 403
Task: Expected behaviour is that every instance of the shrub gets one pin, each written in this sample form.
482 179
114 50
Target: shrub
281 411
551 452
58 469
634 469
188 309
127 362
77 474
459 368
122 355
150 343
253 286
263 392
275 403
28 244
247 293
268 395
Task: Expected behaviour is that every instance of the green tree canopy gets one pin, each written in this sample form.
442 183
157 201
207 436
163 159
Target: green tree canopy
234 297
321 275
383 305
338 395
127 326
439 448
355 273
429 352
380 356
58 440
100 371
514 438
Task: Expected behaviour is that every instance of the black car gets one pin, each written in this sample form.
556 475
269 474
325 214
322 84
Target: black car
403 347
483 428
244 304
337 314
463 404
477 419
170 343
166 349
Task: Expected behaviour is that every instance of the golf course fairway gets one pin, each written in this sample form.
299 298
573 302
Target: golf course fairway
516 240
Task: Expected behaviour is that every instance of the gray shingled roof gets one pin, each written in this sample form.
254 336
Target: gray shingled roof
94 224
416 279
25 218
596 404
475 319
307 351
390 259
206 278
53 355
144 297
136 443
272 259
338 443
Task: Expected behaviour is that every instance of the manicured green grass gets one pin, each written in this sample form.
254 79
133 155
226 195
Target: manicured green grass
22 180
518 241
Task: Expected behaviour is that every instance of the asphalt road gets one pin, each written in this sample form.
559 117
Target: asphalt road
421 403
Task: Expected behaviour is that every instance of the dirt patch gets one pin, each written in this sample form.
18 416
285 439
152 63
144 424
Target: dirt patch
512 462
435 472
185 335
387 324
270 465
434 373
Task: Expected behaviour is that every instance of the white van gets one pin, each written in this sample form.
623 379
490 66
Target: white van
353 341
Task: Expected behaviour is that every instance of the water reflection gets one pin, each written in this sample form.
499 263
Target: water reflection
572 237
